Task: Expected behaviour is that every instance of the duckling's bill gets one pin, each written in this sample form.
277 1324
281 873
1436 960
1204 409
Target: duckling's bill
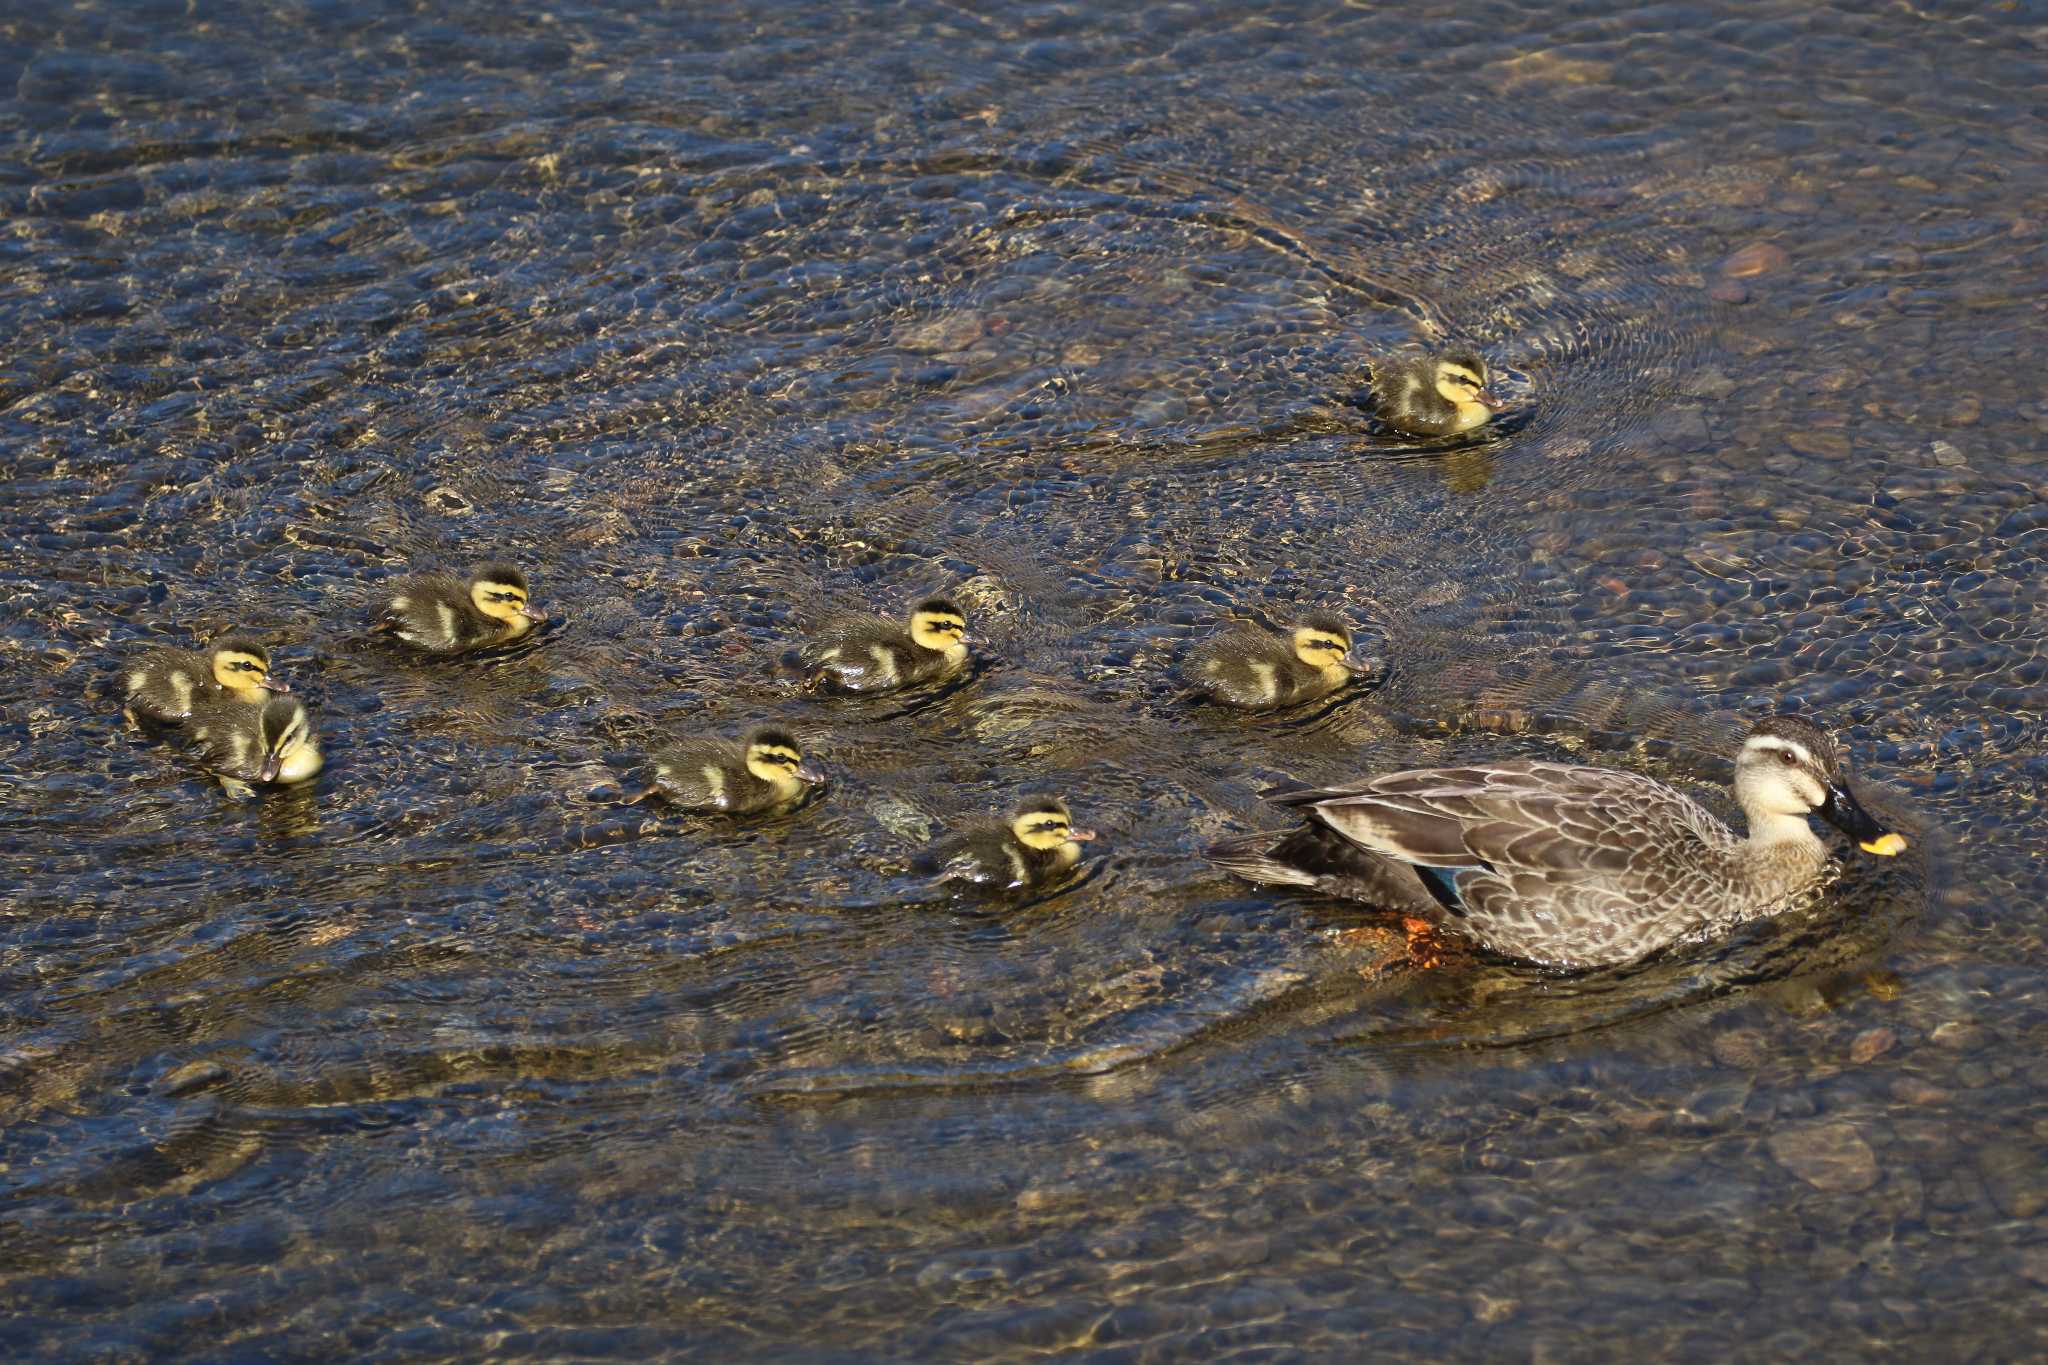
1886 845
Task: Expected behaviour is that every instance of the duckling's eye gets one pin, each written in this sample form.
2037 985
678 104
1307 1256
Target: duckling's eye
248 668
1048 826
1788 758
1331 645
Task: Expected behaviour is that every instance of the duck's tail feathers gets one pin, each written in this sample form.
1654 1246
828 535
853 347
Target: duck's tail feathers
1315 856
1251 856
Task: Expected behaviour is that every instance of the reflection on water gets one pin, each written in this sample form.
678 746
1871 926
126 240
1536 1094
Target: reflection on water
719 320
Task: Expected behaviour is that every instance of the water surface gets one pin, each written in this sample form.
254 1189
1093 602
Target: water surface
717 317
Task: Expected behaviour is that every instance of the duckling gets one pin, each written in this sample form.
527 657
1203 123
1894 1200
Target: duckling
1252 668
1034 844
445 615
872 655
763 771
244 743
166 684
1433 395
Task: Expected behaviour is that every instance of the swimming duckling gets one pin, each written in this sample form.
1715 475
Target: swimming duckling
166 684
442 614
242 743
870 654
1433 395
1034 844
1249 667
1566 864
763 771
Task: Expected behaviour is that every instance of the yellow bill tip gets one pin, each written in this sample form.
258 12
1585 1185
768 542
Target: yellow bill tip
1885 845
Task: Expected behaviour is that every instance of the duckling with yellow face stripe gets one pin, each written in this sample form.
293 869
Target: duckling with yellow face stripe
442 614
764 771
1034 845
1251 668
1433 395
867 654
167 684
271 743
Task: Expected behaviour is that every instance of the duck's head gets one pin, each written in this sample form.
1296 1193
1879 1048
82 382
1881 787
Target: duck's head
773 755
284 729
1460 379
241 665
1791 767
1043 823
1322 640
936 623
500 591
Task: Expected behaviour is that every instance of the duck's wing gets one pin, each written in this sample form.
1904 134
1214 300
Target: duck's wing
978 855
834 627
1240 663
1237 639
699 772
1550 818
842 640
419 601
227 737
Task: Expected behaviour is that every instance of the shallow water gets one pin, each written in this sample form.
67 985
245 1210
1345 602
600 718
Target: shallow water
716 319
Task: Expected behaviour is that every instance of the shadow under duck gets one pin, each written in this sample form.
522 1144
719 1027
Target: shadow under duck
1568 865
442 614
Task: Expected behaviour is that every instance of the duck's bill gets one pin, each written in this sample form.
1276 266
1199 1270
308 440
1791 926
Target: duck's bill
1846 813
272 683
1487 400
1081 836
533 614
806 772
1365 667
272 765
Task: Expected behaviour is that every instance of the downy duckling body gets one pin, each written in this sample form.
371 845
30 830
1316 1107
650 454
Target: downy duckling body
1568 865
867 654
271 743
763 771
168 684
1036 843
1245 666
1428 395
442 614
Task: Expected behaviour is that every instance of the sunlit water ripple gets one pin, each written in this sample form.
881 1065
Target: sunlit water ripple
718 319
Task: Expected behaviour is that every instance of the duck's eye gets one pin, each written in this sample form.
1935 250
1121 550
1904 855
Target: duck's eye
1331 645
1788 758
248 668
1048 827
